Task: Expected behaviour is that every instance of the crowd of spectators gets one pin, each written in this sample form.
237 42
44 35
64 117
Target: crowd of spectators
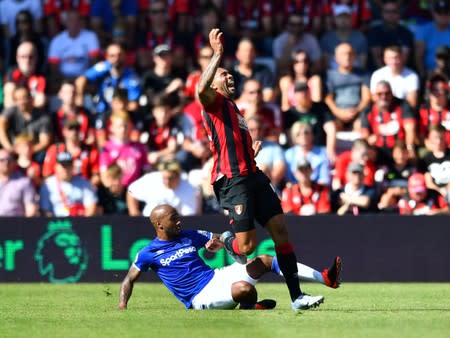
99 113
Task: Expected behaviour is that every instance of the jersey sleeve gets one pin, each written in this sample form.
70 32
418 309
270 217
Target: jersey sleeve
199 237
54 52
143 260
98 70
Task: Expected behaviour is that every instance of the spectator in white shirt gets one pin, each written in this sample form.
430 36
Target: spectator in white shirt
72 51
166 186
404 81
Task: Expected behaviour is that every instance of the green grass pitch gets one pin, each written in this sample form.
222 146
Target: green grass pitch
354 310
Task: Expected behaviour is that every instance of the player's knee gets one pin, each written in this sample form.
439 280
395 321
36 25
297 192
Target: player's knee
243 292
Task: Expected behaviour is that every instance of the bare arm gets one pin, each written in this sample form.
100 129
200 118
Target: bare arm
205 92
126 289
4 139
31 209
80 86
43 142
133 205
8 90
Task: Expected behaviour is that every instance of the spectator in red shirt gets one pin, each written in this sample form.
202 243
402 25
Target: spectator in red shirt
422 201
436 109
388 120
85 157
25 74
358 154
305 198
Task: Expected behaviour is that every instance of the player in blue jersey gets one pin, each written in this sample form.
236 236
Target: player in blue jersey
173 256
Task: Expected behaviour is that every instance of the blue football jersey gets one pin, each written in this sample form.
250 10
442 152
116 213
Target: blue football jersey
177 263
128 80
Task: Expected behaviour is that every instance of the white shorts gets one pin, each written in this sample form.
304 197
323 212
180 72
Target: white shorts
217 293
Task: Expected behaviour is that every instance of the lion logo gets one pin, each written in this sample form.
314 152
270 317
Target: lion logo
60 254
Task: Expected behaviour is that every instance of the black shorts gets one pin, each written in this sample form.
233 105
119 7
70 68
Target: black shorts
248 198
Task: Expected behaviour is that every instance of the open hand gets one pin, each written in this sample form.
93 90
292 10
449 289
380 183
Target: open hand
216 40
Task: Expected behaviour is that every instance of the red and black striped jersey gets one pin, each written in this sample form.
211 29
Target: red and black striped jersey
229 139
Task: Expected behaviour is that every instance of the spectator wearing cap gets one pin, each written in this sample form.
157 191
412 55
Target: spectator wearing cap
305 198
162 80
85 158
343 32
355 197
390 32
72 51
24 118
316 114
435 165
17 194
69 111
348 89
436 108
172 188
303 148
300 71
419 200
270 158
65 194
405 82
109 75
432 35
293 38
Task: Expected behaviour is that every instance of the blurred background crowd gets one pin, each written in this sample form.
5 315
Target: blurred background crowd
99 113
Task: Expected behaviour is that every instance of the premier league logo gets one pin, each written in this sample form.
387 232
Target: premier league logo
60 255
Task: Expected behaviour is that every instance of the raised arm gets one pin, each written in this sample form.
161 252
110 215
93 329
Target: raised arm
206 94
126 289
